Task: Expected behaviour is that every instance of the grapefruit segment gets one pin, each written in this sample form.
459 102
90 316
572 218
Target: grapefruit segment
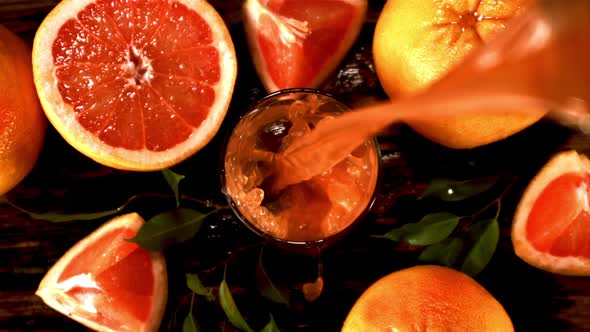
298 43
137 86
548 224
550 228
108 283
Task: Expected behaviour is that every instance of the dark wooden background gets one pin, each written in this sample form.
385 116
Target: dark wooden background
67 182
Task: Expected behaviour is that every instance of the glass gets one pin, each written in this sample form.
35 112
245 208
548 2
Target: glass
310 212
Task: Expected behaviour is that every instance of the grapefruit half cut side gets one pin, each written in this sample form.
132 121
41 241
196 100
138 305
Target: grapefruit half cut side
107 283
135 85
550 227
298 43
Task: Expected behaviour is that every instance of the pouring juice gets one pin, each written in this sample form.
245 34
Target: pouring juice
539 64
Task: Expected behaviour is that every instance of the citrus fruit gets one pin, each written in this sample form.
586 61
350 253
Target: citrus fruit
298 43
22 121
550 227
135 86
417 42
108 283
427 298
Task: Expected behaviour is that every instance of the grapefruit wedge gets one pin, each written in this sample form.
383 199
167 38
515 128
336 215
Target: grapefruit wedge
298 43
551 229
135 85
107 283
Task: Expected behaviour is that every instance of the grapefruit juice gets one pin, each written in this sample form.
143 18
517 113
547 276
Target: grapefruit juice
311 210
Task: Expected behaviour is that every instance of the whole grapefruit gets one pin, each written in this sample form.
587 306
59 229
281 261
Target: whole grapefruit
21 117
427 298
417 42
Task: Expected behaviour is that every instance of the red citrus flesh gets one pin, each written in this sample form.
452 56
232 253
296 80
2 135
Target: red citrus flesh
326 26
136 87
558 222
550 227
298 43
114 290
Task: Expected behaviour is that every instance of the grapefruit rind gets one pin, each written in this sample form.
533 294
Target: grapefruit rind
252 11
62 117
562 163
56 299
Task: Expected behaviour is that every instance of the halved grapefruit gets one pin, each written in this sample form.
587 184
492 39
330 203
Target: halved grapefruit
135 85
298 43
107 283
551 224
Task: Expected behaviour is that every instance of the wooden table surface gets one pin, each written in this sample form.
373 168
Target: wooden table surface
67 182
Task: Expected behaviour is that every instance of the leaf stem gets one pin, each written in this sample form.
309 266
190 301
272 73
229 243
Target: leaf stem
65 217
499 203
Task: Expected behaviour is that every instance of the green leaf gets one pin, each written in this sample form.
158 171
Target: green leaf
189 324
485 235
271 326
194 283
169 228
65 217
267 287
173 180
231 309
453 191
445 252
433 228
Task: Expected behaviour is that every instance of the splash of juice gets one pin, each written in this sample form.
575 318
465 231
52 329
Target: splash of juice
540 63
310 210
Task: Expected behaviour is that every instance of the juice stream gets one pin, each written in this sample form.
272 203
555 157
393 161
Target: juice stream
540 63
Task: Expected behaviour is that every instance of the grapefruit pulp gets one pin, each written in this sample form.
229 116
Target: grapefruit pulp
107 283
550 228
298 43
135 85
